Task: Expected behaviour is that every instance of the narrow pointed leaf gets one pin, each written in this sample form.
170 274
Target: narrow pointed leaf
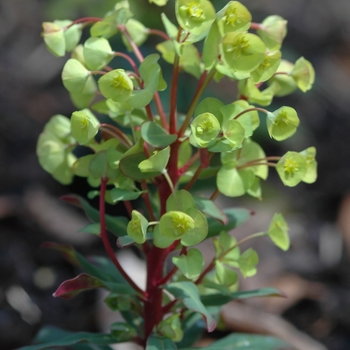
220 299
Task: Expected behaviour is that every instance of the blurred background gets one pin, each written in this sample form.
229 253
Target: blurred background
314 273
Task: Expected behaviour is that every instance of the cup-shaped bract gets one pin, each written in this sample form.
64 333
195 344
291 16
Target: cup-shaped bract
72 33
303 73
97 53
175 224
278 232
243 52
84 126
233 17
282 123
50 151
282 80
291 168
59 125
54 39
205 128
116 85
234 132
267 68
311 165
225 275
195 16
137 227
75 76
137 31
157 162
273 30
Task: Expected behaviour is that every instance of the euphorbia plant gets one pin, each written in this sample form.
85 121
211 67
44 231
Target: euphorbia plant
149 159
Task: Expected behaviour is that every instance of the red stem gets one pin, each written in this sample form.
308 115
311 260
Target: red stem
104 238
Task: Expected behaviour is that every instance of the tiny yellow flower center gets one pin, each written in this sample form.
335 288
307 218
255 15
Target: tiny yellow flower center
281 120
205 126
181 225
84 124
290 166
231 17
194 9
136 227
120 82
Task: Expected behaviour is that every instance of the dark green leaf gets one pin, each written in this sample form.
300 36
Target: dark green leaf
155 135
155 343
236 217
188 292
115 224
220 299
209 208
67 339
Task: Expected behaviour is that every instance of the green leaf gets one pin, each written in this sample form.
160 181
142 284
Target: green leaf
219 299
115 224
171 328
155 135
278 232
137 31
160 240
191 264
119 194
211 50
291 168
123 331
94 228
84 126
209 208
97 53
83 98
232 182
170 28
116 85
157 162
98 165
182 200
225 275
129 166
75 76
157 343
68 339
151 74
282 123
137 227
109 25
235 216
200 230
247 262
188 292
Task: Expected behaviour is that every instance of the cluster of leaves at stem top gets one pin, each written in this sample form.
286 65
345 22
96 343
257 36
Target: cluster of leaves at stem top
154 157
